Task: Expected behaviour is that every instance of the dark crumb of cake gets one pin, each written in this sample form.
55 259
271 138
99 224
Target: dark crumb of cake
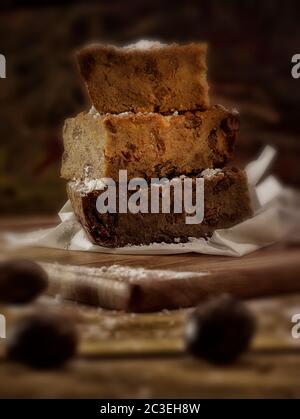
227 202
220 330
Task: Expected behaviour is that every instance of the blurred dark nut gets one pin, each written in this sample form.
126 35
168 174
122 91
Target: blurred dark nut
220 330
43 340
21 281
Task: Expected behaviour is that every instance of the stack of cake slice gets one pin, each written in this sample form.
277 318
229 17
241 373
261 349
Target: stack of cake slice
151 116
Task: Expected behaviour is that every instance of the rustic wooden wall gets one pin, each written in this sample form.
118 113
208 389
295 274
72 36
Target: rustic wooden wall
251 47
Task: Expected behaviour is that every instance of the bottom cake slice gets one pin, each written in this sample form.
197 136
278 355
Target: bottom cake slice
226 203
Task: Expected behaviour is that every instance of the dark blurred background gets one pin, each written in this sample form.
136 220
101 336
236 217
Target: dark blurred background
251 45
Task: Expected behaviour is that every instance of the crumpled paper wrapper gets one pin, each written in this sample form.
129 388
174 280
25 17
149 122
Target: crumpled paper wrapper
277 217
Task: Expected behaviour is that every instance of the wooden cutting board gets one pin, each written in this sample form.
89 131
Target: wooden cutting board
143 290
271 271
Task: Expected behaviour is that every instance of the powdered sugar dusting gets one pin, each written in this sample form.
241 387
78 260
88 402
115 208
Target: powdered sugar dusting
208 173
118 272
87 185
95 114
93 111
144 44
132 114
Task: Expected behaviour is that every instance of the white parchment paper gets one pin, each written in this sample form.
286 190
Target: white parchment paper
276 218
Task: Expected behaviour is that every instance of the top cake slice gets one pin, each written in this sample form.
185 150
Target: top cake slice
145 77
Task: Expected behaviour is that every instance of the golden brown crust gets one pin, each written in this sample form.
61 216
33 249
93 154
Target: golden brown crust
162 79
148 145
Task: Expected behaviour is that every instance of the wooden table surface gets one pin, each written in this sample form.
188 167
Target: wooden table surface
142 355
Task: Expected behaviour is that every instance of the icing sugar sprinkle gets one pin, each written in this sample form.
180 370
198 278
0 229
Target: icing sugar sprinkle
210 172
93 111
120 273
144 44
87 185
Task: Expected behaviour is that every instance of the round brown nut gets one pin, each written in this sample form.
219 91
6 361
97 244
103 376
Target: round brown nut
21 281
43 340
220 330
